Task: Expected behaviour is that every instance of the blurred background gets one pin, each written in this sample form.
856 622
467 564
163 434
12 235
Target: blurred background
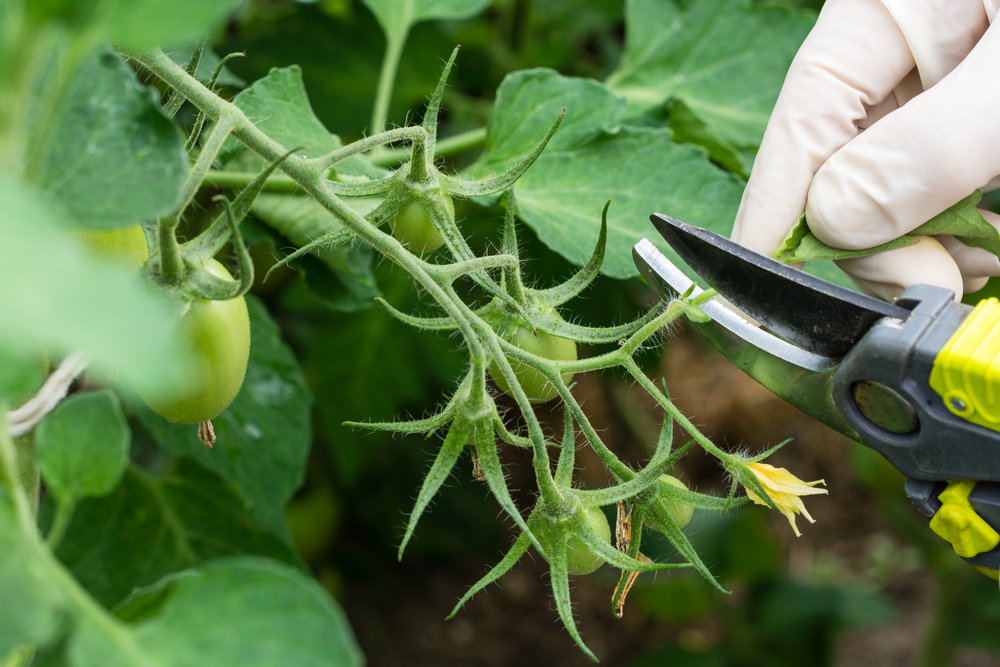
868 583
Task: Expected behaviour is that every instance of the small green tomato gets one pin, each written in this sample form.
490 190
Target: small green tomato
535 384
413 227
125 245
218 332
579 559
679 512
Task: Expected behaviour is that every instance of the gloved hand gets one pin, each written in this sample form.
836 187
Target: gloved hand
889 114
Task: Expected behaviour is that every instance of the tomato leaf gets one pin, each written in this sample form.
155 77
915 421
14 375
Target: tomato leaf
304 626
279 105
641 171
529 101
725 60
962 220
151 526
689 128
264 436
82 446
138 24
112 158
397 16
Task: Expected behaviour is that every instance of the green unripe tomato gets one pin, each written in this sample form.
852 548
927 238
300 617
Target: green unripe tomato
413 227
679 512
218 332
125 245
579 559
535 384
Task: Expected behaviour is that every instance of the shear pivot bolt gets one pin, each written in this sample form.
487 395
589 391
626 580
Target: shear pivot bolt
884 407
957 404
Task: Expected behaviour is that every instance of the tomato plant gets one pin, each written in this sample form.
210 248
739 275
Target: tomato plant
119 525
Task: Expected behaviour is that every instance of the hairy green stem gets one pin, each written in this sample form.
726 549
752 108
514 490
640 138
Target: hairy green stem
209 151
240 179
540 461
414 134
672 410
10 474
64 514
450 146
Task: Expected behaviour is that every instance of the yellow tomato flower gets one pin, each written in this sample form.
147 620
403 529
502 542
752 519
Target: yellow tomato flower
785 490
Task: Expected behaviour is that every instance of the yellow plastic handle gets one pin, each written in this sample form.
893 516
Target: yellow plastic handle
966 371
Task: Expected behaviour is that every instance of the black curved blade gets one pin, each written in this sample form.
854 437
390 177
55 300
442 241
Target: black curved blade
805 310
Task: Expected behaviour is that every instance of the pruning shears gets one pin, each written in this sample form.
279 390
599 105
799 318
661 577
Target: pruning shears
917 380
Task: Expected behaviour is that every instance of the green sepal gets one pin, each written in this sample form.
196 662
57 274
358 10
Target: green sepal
199 122
508 561
425 323
486 447
559 578
560 294
430 121
207 244
657 517
451 448
549 323
175 100
612 556
492 186
567 454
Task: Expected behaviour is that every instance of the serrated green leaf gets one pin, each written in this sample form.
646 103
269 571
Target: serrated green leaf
724 59
641 171
66 300
529 101
242 611
82 446
264 436
689 128
151 526
397 16
112 159
138 23
279 105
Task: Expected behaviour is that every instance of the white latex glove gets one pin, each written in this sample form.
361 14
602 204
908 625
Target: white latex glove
889 114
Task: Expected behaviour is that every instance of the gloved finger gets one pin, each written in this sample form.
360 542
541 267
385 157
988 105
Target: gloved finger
828 88
973 262
971 285
887 274
916 161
